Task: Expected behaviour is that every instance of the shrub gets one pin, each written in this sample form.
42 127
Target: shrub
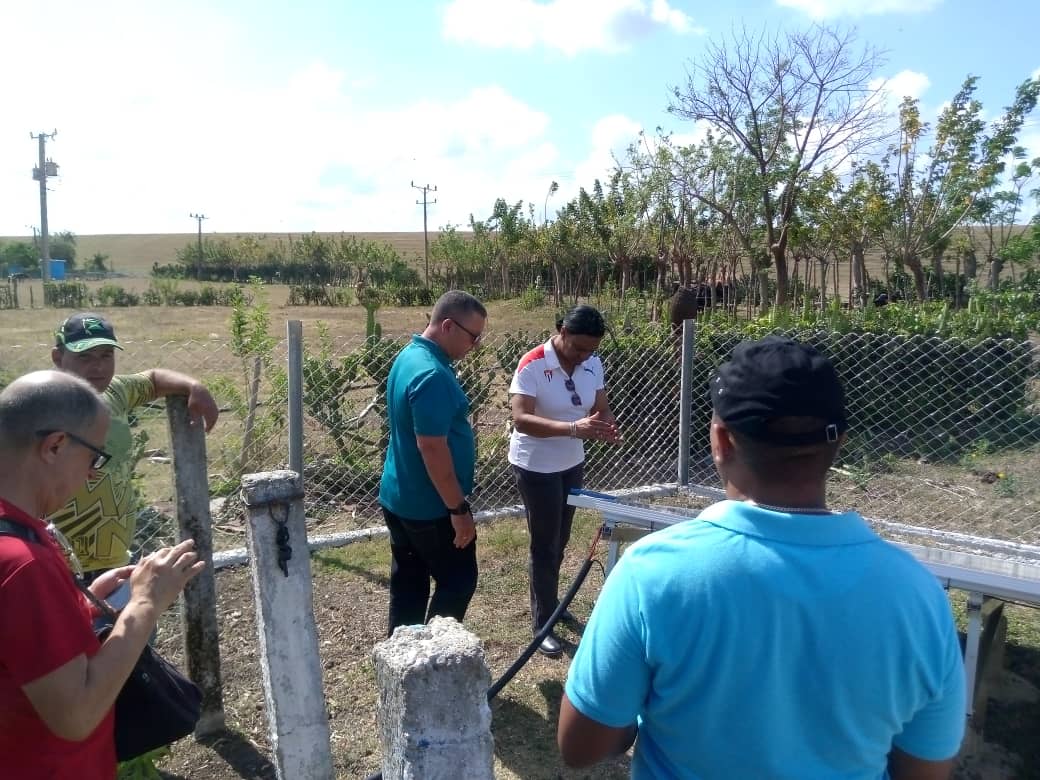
532 298
65 295
114 295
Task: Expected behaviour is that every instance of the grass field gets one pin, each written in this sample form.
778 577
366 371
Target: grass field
350 600
134 253
350 585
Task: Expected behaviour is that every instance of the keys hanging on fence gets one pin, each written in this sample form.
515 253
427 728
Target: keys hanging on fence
281 537
284 550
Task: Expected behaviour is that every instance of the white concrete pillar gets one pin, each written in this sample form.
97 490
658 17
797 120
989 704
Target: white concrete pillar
434 718
290 665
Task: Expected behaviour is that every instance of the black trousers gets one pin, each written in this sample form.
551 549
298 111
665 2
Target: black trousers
419 551
549 519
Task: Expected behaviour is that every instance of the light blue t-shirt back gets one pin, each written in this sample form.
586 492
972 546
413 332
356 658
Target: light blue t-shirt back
423 397
754 644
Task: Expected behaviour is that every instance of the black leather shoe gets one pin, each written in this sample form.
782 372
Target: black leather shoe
551 647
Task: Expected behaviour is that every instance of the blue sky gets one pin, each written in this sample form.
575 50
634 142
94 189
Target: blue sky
317 114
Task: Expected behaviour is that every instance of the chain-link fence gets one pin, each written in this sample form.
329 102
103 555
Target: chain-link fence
944 434
344 425
345 420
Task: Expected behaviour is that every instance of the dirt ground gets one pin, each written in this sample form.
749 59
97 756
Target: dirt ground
350 605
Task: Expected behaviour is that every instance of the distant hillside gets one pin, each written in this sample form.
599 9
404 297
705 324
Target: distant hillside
133 254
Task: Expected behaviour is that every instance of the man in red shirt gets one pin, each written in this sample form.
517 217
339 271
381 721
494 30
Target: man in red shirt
57 683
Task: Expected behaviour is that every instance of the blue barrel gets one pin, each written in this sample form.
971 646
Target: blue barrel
57 270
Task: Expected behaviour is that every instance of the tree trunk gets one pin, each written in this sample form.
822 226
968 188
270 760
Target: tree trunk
779 252
913 262
996 265
937 270
823 283
763 289
971 264
859 268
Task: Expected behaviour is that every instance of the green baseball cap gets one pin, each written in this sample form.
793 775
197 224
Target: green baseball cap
84 331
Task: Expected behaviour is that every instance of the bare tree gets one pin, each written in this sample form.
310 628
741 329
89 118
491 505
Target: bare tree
792 106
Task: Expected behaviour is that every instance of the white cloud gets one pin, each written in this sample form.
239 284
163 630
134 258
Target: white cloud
828 9
148 135
906 83
569 26
611 136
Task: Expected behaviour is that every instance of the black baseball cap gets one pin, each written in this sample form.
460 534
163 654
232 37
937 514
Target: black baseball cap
779 377
84 331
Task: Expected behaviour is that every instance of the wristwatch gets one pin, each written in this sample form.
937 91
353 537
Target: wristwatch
461 509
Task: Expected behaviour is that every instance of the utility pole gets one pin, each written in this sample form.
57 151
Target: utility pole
426 188
40 173
198 257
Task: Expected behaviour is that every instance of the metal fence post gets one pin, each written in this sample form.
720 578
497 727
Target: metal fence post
199 606
689 343
294 333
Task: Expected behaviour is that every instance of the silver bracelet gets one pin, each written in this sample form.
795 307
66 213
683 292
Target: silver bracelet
574 430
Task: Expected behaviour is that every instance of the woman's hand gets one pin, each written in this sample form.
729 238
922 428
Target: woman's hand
594 427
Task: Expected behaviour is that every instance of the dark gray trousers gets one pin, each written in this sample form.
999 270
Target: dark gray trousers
549 519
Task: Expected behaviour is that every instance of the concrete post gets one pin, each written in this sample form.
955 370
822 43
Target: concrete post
434 718
199 605
289 662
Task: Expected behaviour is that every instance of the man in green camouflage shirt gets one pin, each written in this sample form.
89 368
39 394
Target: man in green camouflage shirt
100 519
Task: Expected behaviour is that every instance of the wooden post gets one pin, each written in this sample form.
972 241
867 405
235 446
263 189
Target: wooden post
199 605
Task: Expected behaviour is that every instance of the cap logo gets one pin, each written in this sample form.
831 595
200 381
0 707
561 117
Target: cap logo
93 325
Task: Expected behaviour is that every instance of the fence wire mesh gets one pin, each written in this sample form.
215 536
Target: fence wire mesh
345 422
943 434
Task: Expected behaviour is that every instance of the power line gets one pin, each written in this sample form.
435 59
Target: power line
198 257
426 188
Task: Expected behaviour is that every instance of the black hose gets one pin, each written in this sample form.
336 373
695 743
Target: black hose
525 656
543 632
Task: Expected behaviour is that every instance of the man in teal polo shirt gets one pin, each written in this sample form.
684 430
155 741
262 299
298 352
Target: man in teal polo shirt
429 465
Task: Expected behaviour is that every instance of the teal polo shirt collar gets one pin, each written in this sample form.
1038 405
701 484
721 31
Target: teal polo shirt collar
433 347
815 530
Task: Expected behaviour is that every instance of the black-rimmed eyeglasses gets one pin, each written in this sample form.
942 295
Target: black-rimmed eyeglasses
475 336
100 456
575 398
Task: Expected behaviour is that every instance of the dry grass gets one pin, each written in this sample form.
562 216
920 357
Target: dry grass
350 598
134 253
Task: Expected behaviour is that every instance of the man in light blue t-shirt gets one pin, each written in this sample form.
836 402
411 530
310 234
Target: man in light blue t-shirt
428 471
770 638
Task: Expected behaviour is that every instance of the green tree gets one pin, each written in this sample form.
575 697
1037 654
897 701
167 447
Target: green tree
20 254
62 246
933 190
783 109
97 262
992 229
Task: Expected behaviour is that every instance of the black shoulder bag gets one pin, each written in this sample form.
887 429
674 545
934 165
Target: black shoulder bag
157 704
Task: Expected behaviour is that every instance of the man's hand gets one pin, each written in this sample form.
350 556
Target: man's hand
201 406
160 577
465 529
109 582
